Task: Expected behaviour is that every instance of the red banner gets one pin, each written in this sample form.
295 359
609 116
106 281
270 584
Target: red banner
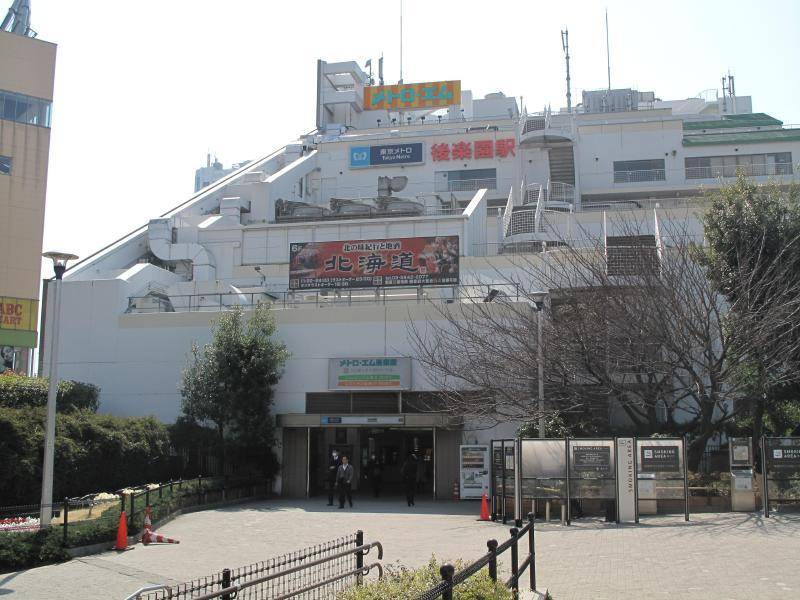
374 263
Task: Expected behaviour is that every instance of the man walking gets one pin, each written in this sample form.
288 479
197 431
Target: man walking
333 467
409 474
344 479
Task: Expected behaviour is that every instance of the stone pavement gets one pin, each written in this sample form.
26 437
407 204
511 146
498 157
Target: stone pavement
715 556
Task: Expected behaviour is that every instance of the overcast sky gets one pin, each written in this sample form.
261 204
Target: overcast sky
144 89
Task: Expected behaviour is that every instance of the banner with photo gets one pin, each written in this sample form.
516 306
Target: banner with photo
388 262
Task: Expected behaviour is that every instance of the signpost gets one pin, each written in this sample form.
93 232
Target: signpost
389 262
626 481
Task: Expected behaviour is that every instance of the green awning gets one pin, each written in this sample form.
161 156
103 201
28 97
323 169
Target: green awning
733 121
742 137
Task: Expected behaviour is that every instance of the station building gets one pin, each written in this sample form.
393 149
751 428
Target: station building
401 197
27 71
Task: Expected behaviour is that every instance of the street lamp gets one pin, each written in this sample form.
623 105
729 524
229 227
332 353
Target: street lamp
538 306
46 509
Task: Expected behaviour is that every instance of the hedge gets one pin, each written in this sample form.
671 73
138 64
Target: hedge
17 391
93 453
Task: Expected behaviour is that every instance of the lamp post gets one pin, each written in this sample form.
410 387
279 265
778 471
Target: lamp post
46 510
539 304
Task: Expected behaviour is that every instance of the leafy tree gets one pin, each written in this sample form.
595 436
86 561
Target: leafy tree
229 382
18 391
753 258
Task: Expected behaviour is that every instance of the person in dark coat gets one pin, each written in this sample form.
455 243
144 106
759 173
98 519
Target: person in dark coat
375 474
344 481
333 467
409 474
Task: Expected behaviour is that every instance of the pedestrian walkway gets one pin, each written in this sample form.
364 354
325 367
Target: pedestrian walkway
714 556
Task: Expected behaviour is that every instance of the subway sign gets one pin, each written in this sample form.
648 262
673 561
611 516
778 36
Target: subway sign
387 155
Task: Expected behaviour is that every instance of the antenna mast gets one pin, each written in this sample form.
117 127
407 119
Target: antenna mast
401 41
565 47
608 54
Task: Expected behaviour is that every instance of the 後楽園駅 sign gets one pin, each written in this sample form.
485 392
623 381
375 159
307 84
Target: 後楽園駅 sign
410 96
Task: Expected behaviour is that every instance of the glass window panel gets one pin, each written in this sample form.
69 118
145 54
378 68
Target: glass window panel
9 107
5 165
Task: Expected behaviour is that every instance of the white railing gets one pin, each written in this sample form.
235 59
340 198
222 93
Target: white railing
763 170
638 176
560 192
466 185
508 211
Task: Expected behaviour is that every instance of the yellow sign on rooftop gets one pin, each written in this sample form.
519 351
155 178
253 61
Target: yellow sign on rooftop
411 96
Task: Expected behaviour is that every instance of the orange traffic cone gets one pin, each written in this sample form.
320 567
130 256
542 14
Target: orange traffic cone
151 537
484 509
148 525
122 533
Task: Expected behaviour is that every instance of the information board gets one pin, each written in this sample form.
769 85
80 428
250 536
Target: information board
659 459
591 459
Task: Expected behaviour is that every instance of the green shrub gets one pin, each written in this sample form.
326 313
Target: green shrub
29 549
93 453
17 391
400 583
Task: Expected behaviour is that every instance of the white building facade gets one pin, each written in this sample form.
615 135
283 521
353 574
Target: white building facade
480 171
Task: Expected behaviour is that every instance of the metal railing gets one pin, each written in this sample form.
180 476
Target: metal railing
450 579
318 571
641 175
466 185
311 298
761 170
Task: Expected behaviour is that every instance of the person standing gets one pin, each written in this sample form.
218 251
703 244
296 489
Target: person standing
344 480
409 474
375 475
333 467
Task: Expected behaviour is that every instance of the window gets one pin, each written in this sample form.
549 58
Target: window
752 165
467 180
25 109
634 171
5 165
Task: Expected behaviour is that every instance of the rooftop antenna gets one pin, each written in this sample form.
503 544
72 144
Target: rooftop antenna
565 47
608 54
401 42
368 65
380 70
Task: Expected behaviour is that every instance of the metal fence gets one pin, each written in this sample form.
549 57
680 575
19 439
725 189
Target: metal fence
450 579
318 571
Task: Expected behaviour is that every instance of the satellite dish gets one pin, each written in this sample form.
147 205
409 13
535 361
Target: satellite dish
387 185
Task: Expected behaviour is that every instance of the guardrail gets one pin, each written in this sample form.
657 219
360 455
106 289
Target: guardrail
315 298
323 570
641 175
760 170
450 579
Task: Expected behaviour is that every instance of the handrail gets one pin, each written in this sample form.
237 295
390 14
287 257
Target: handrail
362 570
451 579
148 588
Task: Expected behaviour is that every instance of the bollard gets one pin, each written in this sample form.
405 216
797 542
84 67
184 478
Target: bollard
532 551
547 512
563 514
492 545
359 557
514 563
66 518
226 583
447 571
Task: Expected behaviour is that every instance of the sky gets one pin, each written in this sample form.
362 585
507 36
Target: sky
145 89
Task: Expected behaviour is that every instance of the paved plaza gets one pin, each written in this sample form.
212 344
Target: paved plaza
714 556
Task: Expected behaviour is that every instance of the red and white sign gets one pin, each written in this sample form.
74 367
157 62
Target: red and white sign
464 150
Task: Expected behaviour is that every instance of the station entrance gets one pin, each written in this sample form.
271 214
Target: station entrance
377 454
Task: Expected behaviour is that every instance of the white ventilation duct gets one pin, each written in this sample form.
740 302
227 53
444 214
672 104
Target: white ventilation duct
159 238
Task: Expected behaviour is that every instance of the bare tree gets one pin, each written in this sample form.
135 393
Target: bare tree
635 334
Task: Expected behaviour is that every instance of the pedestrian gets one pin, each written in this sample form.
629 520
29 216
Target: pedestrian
409 474
344 480
333 467
375 475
